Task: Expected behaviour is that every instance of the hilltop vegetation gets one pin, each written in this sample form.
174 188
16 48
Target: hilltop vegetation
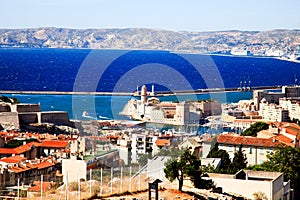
141 38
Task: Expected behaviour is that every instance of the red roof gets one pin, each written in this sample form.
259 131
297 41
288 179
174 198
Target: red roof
247 141
44 164
162 142
26 147
54 144
7 151
285 140
13 159
18 169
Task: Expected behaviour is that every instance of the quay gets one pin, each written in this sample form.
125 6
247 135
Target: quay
157 93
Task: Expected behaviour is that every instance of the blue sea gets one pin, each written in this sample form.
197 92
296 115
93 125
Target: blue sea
86 70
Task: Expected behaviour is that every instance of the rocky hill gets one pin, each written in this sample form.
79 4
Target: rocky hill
138 38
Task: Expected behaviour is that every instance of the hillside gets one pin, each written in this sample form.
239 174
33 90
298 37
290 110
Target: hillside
138 38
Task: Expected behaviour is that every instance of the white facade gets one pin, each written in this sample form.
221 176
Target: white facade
247 182
141 144
292 105
71 173
273 112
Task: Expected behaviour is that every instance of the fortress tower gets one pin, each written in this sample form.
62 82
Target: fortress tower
144 94
152 91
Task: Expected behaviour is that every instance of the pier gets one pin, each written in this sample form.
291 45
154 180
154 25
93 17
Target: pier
157 93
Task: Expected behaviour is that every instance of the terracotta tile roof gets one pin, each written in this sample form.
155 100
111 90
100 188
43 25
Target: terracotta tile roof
36 186
7 151
13 159
54 144
285 140
162 142
293 130
247 140
44 164
26 147
17 169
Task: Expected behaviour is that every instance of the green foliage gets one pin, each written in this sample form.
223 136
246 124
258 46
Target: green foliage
239 161
143 159
286 160
255 128
11 100
225 160
186 166
173 153
17 143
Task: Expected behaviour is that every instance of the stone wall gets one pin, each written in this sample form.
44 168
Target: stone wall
9 120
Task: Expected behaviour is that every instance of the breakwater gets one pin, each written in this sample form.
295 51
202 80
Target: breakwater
158 93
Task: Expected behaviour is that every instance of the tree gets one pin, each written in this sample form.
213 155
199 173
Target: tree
239 161
143 159
173 153
255 128
287 161
11 100
186 166
225 160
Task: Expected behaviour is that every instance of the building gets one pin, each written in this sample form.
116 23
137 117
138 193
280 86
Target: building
12 116
71 173
255 149
16 168
247 182
274 96
141 144
181 113
192 144
292 105
273 113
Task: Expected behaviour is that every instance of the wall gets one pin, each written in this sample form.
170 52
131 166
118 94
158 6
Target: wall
4 107
74 173
55 117
27 118
9 120
26 108
245 188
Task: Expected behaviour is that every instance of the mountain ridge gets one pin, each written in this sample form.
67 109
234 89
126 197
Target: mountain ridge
156 39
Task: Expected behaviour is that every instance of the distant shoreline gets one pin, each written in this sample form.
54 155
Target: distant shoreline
159 93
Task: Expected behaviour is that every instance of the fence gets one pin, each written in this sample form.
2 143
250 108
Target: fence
106 182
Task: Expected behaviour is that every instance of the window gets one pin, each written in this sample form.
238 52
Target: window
261 151
230 148
270 150
249 161
250 150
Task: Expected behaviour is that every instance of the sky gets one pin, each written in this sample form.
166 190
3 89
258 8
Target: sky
183 15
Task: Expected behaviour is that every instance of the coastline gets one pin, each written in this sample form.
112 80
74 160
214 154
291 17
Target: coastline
158 93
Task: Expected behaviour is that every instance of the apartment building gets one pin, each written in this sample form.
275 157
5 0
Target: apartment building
273 112
292 105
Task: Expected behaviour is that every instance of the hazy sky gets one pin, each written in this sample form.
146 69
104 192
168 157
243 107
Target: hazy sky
188 15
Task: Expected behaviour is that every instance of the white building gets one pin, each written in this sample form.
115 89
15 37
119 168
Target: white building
247 182
273 112
255 149
141 144
292 105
